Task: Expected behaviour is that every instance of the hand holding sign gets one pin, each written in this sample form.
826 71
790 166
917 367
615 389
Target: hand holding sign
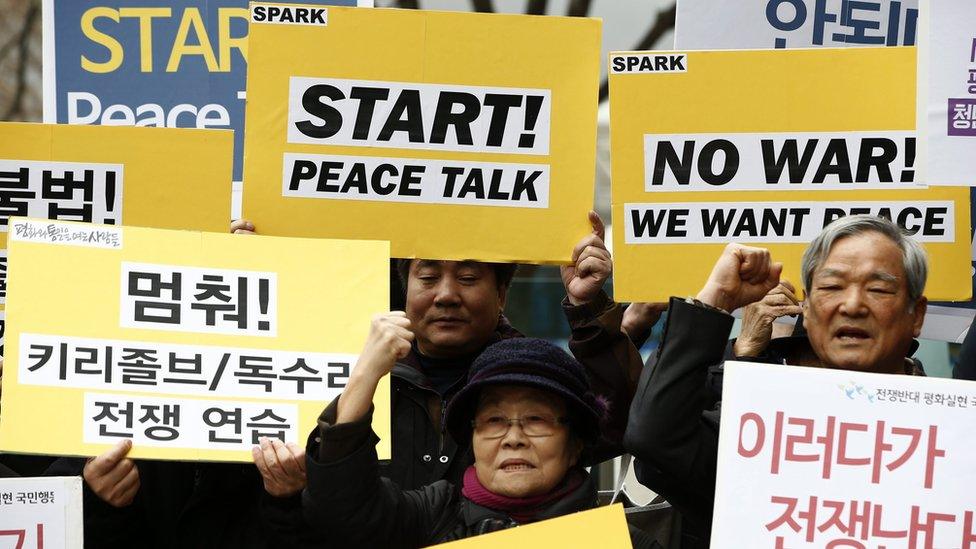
742 275
282 467
591 266
389 339
758 318
113 477
242 226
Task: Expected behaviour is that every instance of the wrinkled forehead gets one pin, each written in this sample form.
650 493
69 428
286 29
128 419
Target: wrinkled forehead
869 255
519 396
418 265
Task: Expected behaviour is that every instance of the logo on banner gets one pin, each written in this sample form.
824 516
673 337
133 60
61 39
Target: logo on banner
289 15
672 62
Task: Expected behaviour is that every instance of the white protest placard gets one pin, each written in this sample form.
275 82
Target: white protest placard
811 457
761 24
41 513
947 92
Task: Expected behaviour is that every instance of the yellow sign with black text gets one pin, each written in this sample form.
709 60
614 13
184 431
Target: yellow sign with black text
452 135
766 148
604 527
117 175
191 345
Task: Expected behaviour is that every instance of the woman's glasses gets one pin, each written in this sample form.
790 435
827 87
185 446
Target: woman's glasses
534 425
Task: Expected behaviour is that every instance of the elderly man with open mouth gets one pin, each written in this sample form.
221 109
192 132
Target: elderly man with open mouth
864 280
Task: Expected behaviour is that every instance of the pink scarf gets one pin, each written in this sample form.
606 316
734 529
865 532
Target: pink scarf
521 510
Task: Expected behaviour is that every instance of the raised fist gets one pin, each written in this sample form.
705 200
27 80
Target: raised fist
742 275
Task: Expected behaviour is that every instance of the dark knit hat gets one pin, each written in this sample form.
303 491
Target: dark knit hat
534 363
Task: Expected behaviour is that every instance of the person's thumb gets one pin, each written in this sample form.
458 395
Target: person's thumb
108 460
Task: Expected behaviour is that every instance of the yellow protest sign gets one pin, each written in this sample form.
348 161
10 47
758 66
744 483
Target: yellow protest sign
132 172
115 175
190 344
765 148
604 527
452 135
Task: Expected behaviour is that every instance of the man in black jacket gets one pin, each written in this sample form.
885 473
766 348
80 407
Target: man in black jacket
864 306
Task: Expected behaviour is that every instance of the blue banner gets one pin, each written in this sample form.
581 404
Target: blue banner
150 63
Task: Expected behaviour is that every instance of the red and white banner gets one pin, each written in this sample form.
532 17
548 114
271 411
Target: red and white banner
810 457
41 513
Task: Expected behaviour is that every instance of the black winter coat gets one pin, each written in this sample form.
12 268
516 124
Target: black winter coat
182 505
674 419
351 505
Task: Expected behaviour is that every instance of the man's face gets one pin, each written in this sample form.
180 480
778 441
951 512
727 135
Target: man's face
857 313
453 306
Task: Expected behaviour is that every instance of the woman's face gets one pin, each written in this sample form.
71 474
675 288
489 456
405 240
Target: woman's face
515 464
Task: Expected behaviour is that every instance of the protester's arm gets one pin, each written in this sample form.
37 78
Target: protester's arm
639 320
347 499
611 360
345 496
282 466
666 430
966 368
389 339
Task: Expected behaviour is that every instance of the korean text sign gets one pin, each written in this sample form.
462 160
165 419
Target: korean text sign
810 457
172 63
114 176
760 24
41 513
193 345
453 135
766 148
948 71
601 527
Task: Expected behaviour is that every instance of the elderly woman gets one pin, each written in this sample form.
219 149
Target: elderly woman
529 413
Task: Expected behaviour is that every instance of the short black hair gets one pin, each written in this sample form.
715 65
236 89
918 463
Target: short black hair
504 272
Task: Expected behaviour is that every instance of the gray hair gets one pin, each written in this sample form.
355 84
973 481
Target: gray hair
913 255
